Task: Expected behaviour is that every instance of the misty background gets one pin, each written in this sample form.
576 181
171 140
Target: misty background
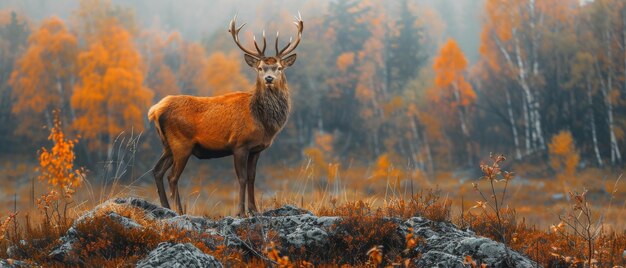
410 91
198 20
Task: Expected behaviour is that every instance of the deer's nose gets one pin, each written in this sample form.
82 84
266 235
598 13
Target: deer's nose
269 79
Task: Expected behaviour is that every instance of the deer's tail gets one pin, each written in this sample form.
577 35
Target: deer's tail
154 114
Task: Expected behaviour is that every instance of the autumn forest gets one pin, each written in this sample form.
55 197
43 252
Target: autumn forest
388 98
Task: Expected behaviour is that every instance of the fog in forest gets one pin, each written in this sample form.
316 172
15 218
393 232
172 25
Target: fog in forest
414 94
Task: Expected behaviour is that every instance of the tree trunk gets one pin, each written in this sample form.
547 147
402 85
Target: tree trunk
536 135
616 156
592 121
624 45
430 168
415 151
518 153
464 129
526 125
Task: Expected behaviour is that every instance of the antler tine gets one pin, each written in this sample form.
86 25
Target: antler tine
255 44
234 31
261 51
291 46
281 52
277 51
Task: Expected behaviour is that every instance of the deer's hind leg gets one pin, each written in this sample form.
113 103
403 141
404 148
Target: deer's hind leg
164 163
180 157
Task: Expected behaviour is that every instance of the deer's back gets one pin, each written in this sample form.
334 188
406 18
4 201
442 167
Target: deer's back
218 123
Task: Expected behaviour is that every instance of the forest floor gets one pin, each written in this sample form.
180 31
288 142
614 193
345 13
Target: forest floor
549 220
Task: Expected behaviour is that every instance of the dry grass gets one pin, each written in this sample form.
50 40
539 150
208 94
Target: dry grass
364 227
522 220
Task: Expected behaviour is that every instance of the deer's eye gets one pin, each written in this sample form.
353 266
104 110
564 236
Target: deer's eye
260 69
280 68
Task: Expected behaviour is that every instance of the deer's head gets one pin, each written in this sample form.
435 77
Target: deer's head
270 69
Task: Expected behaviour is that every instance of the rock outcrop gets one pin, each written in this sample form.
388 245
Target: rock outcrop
446 246
9 263
442 244
177 255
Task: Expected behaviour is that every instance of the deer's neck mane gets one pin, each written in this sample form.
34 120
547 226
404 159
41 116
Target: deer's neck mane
271 106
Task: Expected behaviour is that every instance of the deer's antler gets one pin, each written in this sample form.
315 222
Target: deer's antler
234 31
291 46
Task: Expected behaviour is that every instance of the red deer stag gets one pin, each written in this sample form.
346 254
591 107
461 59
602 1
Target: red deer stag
242 124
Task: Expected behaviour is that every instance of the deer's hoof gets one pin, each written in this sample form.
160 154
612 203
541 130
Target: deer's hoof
253 213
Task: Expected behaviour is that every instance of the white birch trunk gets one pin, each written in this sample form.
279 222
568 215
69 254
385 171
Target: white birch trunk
536 135
464 130
518 153
616 156
592 122
529 149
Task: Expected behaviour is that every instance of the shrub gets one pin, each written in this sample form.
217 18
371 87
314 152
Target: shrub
105 239
56 167
361 229
426 204
564 156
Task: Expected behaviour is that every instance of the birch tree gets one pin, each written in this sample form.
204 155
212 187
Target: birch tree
511 40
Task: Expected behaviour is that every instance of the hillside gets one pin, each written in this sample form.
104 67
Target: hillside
133 231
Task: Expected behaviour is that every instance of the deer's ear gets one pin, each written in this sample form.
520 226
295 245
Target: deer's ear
251 61
288 61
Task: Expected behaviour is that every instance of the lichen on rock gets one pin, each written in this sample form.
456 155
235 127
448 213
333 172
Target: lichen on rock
177 255
296 230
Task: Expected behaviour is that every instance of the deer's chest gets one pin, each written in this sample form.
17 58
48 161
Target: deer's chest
271 110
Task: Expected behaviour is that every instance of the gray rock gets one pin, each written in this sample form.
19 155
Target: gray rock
14 251
302 230
189 223
446 246
441 259
286 210
153 211
177 255
9 263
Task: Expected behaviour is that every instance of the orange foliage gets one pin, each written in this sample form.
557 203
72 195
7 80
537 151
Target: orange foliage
563 153
562 11
345 60
274 255
43 76
222 74
4 225
450 82
500 19
111 97
56 166
57 163
385 170
375 255
321 155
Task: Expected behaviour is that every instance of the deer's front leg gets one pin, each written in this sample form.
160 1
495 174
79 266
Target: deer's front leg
241 158
252 160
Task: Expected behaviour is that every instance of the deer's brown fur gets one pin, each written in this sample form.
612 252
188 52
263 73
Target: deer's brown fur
241 124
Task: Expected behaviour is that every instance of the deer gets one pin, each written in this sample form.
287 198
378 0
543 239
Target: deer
241 124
